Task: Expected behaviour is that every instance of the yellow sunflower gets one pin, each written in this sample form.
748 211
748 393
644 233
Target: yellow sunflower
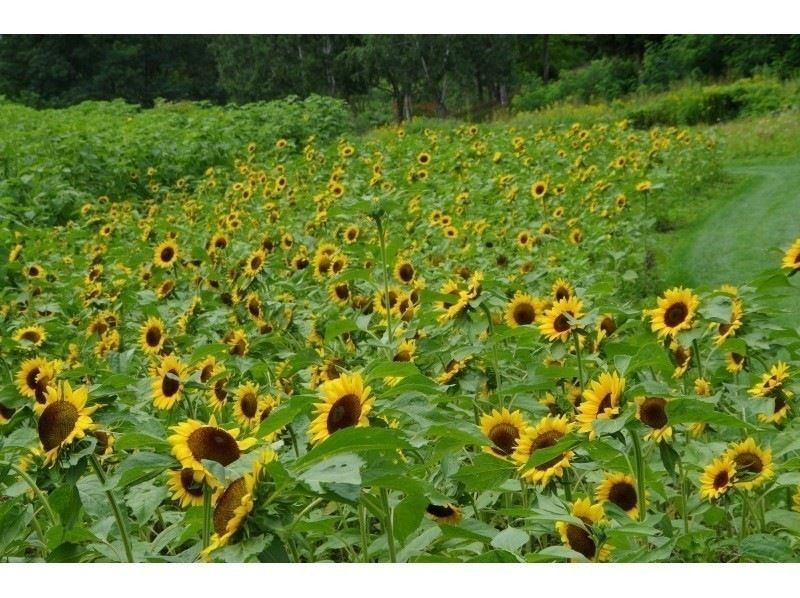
600 401
538 189
186 485
153 336
675 312
254 262
447 513
166 254
652 412
351 234
404 271
735 362
503 428
237 340
555 324
345 403
523 310
34 377
339 293
562 289
64 419
791 259
545 434
6 413
770 381
194 441
169 376
247 404
619 488
753 464
580 539
451 370
729 328
717 478
35 335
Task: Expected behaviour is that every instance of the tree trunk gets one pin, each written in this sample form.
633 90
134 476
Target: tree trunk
406 105
546 59
441 101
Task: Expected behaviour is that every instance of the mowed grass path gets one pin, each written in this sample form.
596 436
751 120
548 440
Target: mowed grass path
745 233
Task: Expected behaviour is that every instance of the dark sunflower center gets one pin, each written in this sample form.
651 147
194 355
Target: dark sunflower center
749 462
56 423
167 254
254 308
441 511
30 379
724 328
219 390
737 358
524 314
681 356
623 495
189 484
344 413
780 403
324 266
351 234
249 405
205 373
604 404
153 337
215 444
40 391
504 437
221 243
31 335
676 314
545 440
406 272
265 413
170 384
6 412
721 480
103 440
580 541
255 263
561 324
227 505
402 356
342 291
539 189
562 293
653 412
608 326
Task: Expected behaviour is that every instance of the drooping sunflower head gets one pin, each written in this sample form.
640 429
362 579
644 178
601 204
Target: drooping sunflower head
166 254
581 539
652 412
717 478
503 429
64 419
523 310
557 323
447 513
620 489
675 312
600 401
32 335
168 378
194 441
729 328
735 362
753 464
153 336
405 350
545 434
346 402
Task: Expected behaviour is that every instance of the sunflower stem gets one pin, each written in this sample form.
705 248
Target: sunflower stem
495 361
295 446
123 530
39 494
684 507
388 525
362 527
385 298
697 359
640 482
576 340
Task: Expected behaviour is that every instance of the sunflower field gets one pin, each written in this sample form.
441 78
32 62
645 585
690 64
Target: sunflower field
436 342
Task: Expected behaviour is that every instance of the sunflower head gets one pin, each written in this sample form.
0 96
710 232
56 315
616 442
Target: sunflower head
675 312
166 254
557 323
346 402
503 429
581 538
168 379
153 336
64 419
717 478
32 336
753 464
447 513
620 489
194 441
523 310
545 434
791 259
652 412
600 401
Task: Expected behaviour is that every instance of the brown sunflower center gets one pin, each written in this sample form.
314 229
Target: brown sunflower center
167 254
539 189
721 480
402 355
562 293
604 404
560 323
254 308
749 462
40 390
32 336
170 383
780 403
504 436
546 440
215 444
6 412
623 494
265 413
56 423
255 263
737 358
524 314
249 404
342 291
723 329
221 243
206 372
440 510
344 413
153 336
653 412
227 504
676 314
406 272
30 378
580 541
189 484
219 390
608 326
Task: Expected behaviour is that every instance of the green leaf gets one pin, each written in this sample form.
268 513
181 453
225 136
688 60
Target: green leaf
559 552
138 440
788 520
484 473
339 327
285 414
764 548
353 440
340 469
139 468
540 456
66 502
510 539
702 410
144 499
408 515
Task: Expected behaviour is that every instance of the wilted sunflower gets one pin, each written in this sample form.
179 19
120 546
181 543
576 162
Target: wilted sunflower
186 485
717 477
555 324
34 335
168 377
753 464
166 254
247 404
545 434
620 489
675 312
791 259
64 419
652 412
523 310
600 401
153 336
447 513
503 428
345 403
579 538
194 441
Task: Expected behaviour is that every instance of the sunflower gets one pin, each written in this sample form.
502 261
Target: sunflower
780 408
217 243
194 441
186 485
796 500
771 382
451 370
555 323
600 401
753 464
350 234
247 404
404 271
208 368
446 513
153 336
579 538
105 443
620 489
34 377
503 428
218 394
791 259
165 288
525 239
237 340
35 335
6 413
523 310
729 328
345 403
545 434
735 362
538 189
166 254
64 419
606 326
717 477
254 262
652 412
169 376
675 311
339 293
682 357
452 308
